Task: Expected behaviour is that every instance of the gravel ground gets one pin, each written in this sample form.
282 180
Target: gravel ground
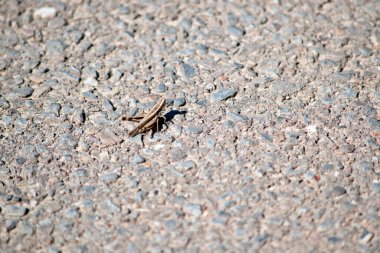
273 130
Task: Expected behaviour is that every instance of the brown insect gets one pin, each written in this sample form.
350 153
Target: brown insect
149 121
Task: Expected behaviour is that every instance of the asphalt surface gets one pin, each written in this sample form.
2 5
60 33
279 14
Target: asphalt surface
272 137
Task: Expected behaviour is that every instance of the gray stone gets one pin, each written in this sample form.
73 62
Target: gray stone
76 36
376 187
186 165
54 108
186 23
12 211
203 49
88 204
137 159
25 228
55 47
179 102
91 72
11 82
283 88
366 166
4 104
108 138
103 49
41 90
108 106
25 92
223 94
9 40
365 51
351 93
232 19
194 129
186 52
3 65
91 82
161 88
188 71
374 123
110 177
81 173
221 219
117 74
261 239
90 95
57 23
327 166
10 224
339 191
132 248
334 239
193 209
70 74
217 52
51 82
235 31
6 120
236 117
172 224
72 213
366 237
89 189
20 160
46 226
110 206
172 171
67 140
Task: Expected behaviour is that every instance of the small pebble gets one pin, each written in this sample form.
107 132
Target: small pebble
11 211
179 102
236 117
110 206
110 177
108 138
161 88
366 237
4 104
25 92
223 94
72 213
10 224
25 228
137 159
81 173
186 165
171 224
339 191
188 71
45 12
194 129
193 209
234 31
376 187
107 105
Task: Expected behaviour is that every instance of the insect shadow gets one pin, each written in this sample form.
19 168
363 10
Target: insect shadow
167 117
170 115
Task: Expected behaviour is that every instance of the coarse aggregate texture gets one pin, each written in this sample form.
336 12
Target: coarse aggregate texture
272 138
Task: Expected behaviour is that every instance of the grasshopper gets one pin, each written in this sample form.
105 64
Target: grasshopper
150 120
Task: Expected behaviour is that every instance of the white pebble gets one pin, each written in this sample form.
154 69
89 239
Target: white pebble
311 129
45 12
